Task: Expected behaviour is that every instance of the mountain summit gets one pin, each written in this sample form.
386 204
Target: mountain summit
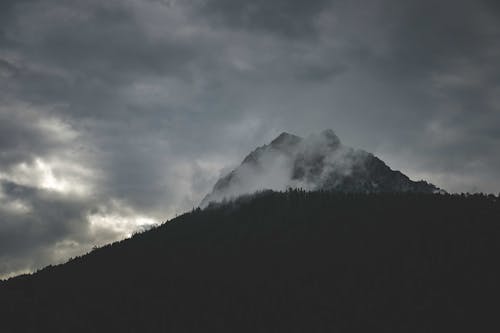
317 162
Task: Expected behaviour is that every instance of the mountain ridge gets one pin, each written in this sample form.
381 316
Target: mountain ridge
294 261
317 162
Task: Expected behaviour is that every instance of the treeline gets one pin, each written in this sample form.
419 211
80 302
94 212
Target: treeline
282 262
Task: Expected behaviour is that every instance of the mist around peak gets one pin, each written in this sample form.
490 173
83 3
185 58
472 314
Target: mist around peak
318 162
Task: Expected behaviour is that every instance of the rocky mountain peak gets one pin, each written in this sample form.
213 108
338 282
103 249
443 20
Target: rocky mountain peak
317 162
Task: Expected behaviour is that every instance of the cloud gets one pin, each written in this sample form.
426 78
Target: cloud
292 19
34 221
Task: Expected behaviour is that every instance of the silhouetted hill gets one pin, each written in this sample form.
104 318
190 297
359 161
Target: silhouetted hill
282 262
318 162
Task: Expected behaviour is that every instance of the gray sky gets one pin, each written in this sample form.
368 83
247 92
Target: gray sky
117 114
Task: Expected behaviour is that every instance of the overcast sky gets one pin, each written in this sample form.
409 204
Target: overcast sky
121 113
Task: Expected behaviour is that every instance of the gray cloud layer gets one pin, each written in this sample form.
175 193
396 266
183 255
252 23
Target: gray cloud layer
116 114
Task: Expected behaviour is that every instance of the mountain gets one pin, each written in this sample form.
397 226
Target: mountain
282 262
318 162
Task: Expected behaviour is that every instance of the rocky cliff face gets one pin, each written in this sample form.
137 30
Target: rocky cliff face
318 162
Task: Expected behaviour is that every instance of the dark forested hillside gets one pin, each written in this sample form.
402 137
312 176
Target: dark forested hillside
282 262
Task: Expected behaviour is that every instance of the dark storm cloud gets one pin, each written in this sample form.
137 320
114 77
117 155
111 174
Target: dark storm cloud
52 219
83 53
32 222
446 55
117 111
19 139
292 19
40 227
426 38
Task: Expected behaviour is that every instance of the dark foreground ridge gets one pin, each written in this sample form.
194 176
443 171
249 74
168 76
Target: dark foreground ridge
282 262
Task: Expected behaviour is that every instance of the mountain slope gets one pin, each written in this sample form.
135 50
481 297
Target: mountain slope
318 162
282 262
